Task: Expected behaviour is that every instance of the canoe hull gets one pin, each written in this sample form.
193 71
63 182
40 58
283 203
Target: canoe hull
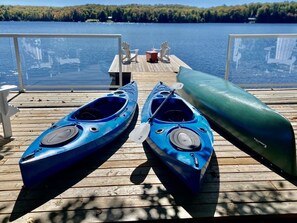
188 165
42 159
243 116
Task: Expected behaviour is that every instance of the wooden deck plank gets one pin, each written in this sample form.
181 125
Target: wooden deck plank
127 181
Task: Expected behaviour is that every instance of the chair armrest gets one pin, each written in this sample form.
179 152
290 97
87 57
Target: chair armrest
135 51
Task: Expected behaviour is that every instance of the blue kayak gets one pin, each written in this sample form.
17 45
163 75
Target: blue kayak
79 134
179 135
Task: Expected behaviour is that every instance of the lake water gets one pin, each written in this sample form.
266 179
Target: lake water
202 46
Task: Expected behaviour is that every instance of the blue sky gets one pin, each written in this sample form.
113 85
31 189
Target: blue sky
198 3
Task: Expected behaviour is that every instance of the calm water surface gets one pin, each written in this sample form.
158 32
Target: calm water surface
202 46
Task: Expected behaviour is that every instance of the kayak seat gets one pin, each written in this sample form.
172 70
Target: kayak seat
110 105
89 114
174 110
174 116
100 109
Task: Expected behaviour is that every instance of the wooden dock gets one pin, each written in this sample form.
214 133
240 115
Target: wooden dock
129 183
142 66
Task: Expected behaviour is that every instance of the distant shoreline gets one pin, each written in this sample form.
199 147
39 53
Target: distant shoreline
285 12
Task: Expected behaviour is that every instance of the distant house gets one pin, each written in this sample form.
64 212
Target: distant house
92 20
109 19
252 20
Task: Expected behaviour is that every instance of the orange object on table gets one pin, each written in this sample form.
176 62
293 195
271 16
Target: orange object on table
152 56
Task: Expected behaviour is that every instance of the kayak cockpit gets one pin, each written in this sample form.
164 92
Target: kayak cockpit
100 108
174 110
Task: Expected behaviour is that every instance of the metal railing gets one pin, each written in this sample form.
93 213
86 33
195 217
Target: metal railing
262 60
18 58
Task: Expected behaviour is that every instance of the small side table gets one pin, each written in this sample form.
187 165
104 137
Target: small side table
152 56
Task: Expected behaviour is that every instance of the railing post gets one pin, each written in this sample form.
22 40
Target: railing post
120 62
18 62
228 57
22 84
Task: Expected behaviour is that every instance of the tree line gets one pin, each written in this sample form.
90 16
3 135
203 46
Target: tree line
285 12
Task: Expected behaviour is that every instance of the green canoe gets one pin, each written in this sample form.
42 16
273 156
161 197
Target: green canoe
243 116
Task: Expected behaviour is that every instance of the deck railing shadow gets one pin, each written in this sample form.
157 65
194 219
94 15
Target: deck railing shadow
252 153
30 199
174 191
254 200
256 203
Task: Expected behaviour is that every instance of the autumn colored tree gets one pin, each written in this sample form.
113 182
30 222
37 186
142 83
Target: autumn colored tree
285 12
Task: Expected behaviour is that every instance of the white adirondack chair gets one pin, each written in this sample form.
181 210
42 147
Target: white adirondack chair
6 110
128 55
164 52
283 52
